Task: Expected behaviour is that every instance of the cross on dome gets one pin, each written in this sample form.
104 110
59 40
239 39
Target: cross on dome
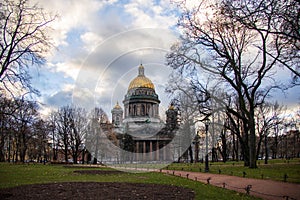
141 70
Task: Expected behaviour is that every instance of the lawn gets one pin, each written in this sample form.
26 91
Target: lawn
279 170
12 175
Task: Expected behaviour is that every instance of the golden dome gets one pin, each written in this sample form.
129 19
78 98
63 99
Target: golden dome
171 107
117 106
141 81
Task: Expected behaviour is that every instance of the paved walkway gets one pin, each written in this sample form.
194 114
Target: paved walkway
266 189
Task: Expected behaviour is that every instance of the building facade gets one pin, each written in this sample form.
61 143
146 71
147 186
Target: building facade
140 122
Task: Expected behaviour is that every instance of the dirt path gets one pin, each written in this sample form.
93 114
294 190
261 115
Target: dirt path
266 189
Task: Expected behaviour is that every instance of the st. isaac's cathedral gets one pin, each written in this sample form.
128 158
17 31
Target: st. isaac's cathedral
138 126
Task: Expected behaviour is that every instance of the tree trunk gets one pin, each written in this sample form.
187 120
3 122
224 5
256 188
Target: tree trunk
83 154
15 156
245 150
2 159
224 157
75 159
259 145
223 151
66 146
23 154
233 147
191 154
252 143
266 150
66 154
75 153
9 148
23 148
95 161
237 150
17 151
275 152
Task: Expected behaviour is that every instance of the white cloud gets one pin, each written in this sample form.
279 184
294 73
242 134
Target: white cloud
68 87
71 14
148 14
90 40
70 69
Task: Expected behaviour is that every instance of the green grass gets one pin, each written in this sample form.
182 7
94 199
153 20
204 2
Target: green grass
275 170
12 175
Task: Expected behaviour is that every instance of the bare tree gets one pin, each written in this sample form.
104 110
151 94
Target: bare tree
7 107
16 128
25 117
69 126
51 120
38 144
267 119
238 57
79 129
279 20
63 127
24 40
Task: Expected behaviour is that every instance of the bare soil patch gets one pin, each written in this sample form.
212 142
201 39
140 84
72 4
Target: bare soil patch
100 172
96 190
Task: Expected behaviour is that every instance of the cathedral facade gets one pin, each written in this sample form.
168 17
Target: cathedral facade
139 127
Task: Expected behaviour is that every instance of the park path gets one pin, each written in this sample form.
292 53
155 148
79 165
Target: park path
266 189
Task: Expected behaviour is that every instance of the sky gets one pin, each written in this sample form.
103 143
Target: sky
99 45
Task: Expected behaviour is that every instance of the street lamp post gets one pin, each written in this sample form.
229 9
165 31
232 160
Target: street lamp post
196 142
207 122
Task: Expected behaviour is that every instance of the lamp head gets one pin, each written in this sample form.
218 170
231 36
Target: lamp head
206 122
